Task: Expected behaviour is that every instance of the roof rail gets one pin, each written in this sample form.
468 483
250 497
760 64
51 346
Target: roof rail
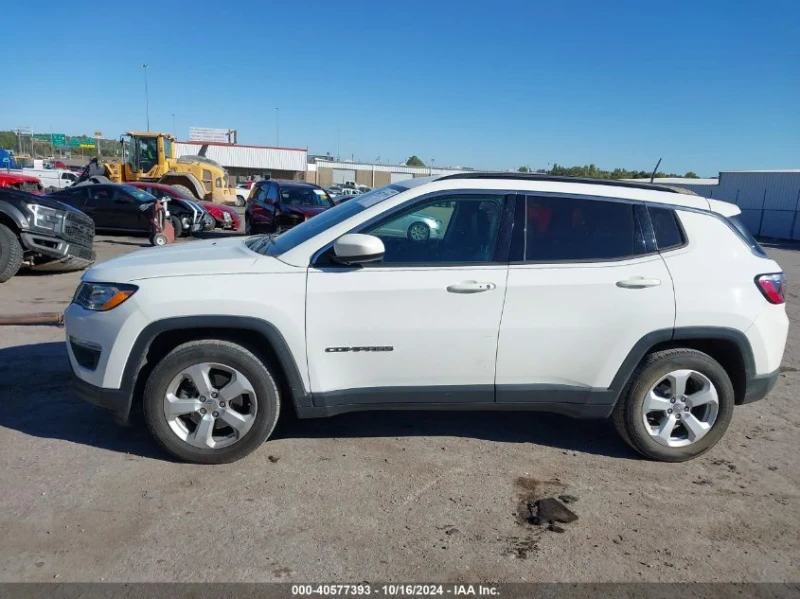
563 179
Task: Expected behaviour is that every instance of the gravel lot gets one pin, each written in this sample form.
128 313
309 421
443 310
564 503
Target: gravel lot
379 497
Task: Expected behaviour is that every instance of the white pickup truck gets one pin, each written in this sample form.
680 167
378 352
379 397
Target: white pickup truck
52 178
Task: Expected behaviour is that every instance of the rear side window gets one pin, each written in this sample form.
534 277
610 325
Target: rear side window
747 237
261 193
668 230
570 229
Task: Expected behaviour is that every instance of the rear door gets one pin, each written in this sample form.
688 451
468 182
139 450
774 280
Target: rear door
76 197
584 286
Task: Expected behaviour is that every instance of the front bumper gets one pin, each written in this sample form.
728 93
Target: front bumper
115 400
60 254
759 387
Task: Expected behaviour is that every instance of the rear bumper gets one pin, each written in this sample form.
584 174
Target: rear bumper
759 387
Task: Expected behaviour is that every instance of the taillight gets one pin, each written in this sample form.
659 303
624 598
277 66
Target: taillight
773 287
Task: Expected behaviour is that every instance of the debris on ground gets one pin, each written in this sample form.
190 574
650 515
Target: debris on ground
568 498
549 511
273 458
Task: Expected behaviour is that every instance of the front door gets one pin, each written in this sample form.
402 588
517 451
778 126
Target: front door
583 288
421 326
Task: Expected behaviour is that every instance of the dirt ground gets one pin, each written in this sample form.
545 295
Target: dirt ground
379 497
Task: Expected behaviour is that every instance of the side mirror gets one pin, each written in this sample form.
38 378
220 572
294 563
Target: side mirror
355 248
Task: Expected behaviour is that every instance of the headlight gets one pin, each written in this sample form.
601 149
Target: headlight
44 217
226 216
100 297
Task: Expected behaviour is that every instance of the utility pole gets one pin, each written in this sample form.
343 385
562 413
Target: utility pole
277 127
146 96
338 143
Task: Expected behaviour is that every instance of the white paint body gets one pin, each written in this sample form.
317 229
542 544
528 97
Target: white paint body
549 324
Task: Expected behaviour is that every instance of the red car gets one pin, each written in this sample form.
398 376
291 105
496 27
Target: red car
22 182
225 216
275 206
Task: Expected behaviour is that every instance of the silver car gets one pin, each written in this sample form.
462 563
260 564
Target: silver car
415 227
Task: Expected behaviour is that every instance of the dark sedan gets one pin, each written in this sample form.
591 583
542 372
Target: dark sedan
126 208
275 206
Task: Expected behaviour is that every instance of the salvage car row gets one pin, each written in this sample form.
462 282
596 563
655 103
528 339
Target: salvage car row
56 231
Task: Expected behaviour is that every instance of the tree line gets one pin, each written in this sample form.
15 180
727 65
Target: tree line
591 171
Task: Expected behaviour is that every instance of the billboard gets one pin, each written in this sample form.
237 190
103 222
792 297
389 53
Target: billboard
207 134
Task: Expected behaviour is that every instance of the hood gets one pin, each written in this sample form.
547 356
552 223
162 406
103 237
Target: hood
308 211
210 257
220 207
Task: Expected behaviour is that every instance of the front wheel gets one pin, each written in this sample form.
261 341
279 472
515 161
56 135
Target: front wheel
211 402
240 201
177 224
677 405
10 253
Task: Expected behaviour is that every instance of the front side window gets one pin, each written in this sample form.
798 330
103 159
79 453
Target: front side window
577 230
448 230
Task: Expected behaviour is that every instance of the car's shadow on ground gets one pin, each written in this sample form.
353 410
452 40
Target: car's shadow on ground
40 402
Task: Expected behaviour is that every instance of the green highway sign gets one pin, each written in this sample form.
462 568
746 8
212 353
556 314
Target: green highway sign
74 142
42 137
59 139
88 144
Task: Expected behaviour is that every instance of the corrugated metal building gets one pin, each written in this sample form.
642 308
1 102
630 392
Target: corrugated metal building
244 161
328 172
769 200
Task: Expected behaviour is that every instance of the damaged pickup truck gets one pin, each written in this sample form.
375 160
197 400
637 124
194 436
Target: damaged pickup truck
43 234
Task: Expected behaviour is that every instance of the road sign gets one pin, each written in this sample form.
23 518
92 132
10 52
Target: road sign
88 144
74 142
42 137
59 139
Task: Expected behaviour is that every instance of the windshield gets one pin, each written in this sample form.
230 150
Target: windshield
305 196
139 194
275 246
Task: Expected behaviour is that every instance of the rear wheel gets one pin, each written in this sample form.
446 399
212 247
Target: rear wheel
240 201
419 232
211 402
677 405
10 253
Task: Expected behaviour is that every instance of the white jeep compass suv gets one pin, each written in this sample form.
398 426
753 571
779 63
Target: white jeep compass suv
593 299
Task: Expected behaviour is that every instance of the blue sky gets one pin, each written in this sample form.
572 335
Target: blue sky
708 85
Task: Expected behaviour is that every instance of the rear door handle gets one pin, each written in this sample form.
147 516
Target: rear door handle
638 283
470 287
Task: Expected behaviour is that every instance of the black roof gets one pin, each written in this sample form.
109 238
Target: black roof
562 179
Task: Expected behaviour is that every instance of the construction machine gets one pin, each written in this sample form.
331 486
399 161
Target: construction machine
150 157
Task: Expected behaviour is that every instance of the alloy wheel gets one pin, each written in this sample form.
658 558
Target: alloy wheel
680 408
210 405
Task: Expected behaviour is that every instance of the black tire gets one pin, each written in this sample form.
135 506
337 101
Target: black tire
177 224
248 226
10 253
418 232
240 201
186 191
267 398
628 415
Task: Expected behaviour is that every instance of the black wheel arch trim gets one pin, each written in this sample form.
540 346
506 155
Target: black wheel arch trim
138 354
15 214
649 341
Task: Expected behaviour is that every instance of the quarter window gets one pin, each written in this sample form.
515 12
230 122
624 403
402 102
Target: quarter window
272 194
665 225
571 229
448 230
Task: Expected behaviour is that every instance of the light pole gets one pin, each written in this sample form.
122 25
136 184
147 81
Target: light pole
277 127
146 96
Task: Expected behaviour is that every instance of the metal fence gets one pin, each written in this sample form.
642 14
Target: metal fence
769 200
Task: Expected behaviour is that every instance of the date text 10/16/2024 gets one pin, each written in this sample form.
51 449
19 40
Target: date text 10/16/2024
394 590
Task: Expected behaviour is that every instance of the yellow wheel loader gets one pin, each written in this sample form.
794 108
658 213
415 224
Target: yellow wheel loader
149 157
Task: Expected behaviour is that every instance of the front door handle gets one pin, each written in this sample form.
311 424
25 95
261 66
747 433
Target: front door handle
470 287
638 283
